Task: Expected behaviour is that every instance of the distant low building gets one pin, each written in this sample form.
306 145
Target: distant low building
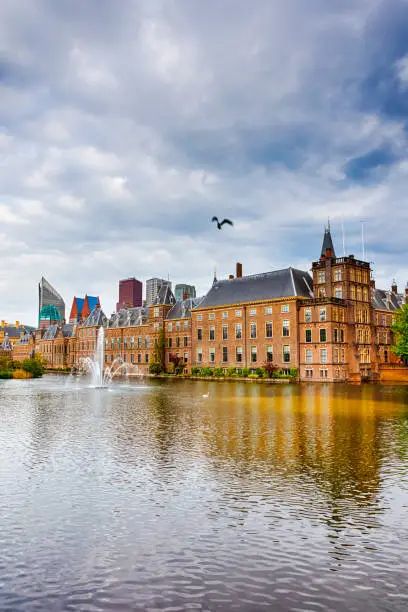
13 332
183 292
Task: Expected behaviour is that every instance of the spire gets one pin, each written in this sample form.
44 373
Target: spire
215 275
327 243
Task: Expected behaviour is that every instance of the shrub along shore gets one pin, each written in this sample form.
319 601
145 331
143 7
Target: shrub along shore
29 368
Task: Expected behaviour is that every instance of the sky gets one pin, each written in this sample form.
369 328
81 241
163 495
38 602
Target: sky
125 126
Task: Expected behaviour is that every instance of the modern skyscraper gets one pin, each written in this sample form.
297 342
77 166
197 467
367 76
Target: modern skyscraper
153 286
130 294
182 292
48 296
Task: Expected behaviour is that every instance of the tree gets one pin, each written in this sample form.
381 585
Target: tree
400 329
158 362
33 366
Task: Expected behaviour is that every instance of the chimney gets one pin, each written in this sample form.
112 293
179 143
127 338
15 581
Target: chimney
394 287
239 270
17 324
231 277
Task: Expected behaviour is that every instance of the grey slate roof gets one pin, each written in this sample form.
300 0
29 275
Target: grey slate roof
25 339
97 317
128 317
12 331
182 310
387 300
288 282
164 296
327 243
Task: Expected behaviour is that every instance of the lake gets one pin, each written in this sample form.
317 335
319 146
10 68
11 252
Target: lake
149 496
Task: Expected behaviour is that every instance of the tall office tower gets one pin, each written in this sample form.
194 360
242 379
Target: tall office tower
183 292
130 294
48 296
153 286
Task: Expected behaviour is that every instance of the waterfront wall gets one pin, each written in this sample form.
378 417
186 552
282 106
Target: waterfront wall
393 373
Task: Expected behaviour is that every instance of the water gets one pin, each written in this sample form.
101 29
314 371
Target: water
101 374
151 497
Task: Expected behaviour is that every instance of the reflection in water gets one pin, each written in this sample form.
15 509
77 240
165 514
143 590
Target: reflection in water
153 497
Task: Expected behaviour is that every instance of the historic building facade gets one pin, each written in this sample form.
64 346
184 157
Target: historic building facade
332 325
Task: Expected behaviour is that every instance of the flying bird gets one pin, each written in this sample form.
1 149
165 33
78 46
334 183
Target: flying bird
219 225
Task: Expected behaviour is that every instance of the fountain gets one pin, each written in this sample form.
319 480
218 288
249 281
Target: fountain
102 375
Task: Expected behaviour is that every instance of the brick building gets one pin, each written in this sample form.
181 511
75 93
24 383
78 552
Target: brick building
331 325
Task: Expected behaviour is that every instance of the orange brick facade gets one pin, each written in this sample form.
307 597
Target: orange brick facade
340 331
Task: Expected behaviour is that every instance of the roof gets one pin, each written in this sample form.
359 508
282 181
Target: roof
97 317
79 304
6 346
128 317
327 243
164 296
25 339
182 310
12 331
92 301
288 282
386 300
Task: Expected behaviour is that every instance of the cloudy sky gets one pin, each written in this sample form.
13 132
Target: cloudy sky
125 125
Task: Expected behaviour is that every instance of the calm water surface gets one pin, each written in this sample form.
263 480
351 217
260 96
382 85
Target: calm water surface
151 497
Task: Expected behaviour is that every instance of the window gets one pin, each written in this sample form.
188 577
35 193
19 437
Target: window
321 292
253 330
146 358
112 343
286 353
323 335
323 355
147 342
268 329
199 317
309 356
365 294
252 312
338 292
308 315
321 277
336 355
211 316
118 342
253 354
139 342
178 325
225 315
308 335
285 308
239 354
212 355
124 357
178 341
322 313
132 342
238 331
170 342
199 355
199 334
353 292
170 327
323 373
225 332
269 354
185 325
358 293
125 342
337 275
112 358
139 358
156 312
285 328
238 313
212 332
106 343
185 341
185 357
268 310
156 327
309 373
225 354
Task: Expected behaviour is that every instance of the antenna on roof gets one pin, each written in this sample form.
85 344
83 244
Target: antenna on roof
342 234
328 223
362 239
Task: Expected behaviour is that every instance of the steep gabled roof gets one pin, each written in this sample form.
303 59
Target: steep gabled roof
93 301
182 310
97 317
164 296
288 282
129 317
327 243
386 300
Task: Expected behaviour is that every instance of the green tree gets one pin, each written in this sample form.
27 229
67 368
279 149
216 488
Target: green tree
33 366
400 329
158 362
